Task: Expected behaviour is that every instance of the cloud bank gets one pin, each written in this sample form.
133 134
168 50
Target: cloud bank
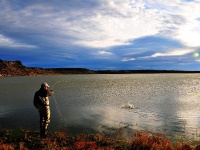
110 33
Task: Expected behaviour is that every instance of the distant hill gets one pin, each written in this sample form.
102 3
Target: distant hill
16 68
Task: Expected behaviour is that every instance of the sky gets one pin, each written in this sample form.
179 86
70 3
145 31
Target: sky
102 34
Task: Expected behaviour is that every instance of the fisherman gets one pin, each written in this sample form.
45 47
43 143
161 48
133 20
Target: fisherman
41 102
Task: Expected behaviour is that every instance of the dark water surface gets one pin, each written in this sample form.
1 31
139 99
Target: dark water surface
162 102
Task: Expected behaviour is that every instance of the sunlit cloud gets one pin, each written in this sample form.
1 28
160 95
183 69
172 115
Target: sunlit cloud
173 53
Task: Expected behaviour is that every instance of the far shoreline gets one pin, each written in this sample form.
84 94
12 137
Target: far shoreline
76 71
16 68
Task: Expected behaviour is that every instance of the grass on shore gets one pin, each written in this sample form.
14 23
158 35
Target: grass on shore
26 139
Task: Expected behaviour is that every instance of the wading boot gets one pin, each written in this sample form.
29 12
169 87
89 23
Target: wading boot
42 132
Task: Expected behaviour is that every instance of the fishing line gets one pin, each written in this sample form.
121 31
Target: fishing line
57 83
56 104
58 111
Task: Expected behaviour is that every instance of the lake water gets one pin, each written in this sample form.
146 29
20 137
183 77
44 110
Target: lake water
88 103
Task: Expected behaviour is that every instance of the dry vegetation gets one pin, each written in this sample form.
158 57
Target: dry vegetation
25 139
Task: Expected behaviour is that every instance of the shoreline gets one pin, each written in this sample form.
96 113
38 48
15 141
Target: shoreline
69 72
29 139
16 68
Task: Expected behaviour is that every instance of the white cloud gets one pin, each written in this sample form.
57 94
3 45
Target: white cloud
177 52
128 59
121 21
104 53
118 22
111 23
7 42
189 32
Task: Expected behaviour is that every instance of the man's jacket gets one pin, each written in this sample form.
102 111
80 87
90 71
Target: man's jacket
41 98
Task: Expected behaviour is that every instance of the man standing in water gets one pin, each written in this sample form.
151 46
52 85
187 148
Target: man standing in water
41 102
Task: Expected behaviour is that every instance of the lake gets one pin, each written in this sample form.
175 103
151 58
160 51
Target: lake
89 103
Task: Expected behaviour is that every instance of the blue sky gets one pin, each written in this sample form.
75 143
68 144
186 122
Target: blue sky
101 34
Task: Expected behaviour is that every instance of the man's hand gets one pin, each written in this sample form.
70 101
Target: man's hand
51 92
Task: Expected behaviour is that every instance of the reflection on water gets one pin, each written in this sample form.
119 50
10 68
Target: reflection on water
155 102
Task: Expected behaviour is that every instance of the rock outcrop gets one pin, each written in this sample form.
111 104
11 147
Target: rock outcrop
16 68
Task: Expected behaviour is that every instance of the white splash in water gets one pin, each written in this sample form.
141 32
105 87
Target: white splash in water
128 106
